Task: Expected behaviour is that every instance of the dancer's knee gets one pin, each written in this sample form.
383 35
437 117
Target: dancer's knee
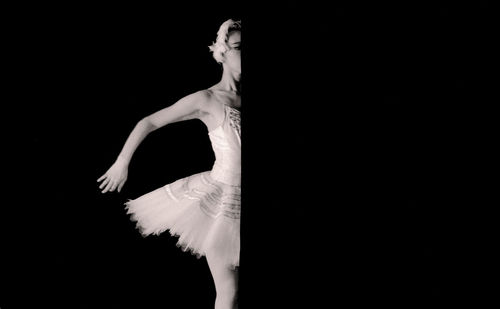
227 293
226 300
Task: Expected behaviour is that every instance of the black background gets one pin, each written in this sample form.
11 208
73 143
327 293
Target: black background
357 121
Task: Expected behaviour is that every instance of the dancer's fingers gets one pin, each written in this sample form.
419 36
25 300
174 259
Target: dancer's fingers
107 187
101 178
120 186
104 183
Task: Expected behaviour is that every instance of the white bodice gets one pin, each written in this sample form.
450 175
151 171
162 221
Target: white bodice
226 143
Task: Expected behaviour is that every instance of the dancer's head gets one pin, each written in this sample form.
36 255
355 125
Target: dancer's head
226 48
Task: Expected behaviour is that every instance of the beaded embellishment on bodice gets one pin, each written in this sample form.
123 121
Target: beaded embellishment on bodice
234 117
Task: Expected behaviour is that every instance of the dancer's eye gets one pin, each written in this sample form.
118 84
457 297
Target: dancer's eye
237 46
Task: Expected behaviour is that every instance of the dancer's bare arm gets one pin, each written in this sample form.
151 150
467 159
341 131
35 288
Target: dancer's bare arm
186 108
189 107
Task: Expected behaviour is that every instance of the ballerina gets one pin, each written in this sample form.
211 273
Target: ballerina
203 210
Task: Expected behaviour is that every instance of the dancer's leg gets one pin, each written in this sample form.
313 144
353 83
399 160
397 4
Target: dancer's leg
226 283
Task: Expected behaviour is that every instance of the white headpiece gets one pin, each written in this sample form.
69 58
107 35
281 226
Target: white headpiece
220 46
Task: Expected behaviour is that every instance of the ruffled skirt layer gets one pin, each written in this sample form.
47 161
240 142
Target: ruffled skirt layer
203 212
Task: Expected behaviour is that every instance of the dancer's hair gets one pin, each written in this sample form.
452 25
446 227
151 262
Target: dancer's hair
220 46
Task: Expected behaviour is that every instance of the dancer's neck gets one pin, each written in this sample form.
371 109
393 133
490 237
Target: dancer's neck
229 82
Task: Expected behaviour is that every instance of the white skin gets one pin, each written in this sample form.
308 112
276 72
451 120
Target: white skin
207 106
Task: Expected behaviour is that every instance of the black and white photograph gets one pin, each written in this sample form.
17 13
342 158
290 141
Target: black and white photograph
230 155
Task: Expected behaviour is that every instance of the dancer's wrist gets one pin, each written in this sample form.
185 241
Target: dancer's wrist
122 160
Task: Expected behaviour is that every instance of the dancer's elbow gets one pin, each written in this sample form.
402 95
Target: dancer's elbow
147 125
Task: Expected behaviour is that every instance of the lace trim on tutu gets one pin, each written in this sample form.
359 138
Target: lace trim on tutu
217 199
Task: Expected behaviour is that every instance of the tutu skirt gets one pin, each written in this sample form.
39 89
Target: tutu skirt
203 212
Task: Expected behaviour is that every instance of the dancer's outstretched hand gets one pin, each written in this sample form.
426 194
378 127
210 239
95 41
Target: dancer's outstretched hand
115 177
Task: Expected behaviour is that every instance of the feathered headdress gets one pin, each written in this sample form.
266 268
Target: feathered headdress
220 46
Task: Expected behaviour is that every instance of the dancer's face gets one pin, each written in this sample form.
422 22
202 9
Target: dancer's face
232 56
